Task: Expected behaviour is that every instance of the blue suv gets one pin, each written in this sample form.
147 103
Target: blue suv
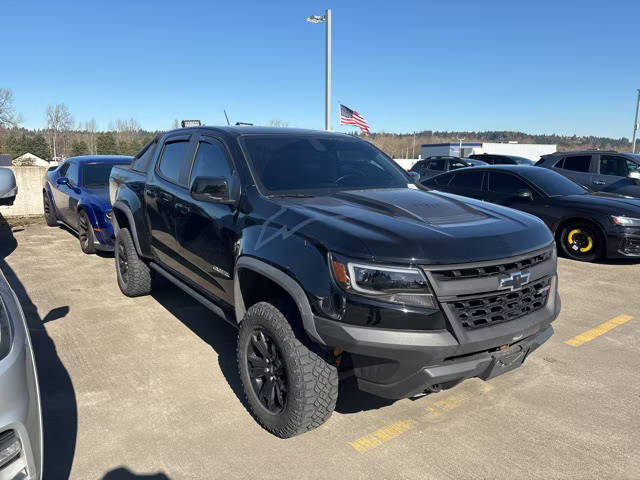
76 194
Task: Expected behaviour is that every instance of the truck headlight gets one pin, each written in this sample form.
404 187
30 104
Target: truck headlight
5 331
407 286
626 221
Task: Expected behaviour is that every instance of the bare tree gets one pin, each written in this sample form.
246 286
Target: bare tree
59 121
91 128
176 124
8 116
127 130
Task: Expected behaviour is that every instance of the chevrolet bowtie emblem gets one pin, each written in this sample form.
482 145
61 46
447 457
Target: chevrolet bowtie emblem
515 281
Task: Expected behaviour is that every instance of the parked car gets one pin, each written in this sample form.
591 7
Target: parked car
436 165
493 159
20 411
76 194
8 187
599 170
586 225
325 254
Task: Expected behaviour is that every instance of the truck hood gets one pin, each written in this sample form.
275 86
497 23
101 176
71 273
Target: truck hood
414 226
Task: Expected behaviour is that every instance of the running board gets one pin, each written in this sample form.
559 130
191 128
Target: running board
226 316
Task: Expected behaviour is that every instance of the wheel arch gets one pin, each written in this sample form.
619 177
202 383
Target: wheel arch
252 271
123 218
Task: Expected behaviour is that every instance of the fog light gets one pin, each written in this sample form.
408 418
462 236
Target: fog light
10 447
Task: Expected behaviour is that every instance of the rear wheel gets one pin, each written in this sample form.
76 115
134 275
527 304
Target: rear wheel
581 241
289 388
134 276
85 233
49 213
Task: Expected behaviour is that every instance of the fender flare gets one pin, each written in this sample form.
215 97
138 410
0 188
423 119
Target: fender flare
286 282
124 208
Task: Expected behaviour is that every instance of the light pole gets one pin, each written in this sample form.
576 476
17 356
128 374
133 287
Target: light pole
635 125
327 78
460 146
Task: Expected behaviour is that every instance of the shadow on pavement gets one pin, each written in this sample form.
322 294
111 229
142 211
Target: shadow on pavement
126 474
59 408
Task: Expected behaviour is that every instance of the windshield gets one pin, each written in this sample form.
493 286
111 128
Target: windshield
97 174
552 183
314 164
522 160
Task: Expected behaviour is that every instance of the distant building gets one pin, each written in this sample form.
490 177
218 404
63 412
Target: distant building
30 160
531 151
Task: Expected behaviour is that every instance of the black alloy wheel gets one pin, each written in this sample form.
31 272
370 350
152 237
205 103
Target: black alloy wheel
85 233
267 371
123 263
49 214
133 274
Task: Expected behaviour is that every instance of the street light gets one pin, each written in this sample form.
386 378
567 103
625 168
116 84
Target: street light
327 79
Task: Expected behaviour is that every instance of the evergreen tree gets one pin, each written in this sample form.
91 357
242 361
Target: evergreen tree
79 148
106 144
39 147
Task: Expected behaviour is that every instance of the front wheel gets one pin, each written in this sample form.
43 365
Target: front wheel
581 241
49 213
85 233
134 276
289 388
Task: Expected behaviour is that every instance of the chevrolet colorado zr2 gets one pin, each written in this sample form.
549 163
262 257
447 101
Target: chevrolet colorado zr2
325 255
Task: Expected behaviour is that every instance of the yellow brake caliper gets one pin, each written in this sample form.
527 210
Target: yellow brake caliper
584 249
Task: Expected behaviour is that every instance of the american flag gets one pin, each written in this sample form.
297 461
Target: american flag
351 117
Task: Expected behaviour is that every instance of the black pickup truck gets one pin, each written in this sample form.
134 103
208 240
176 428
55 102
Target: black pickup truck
327 257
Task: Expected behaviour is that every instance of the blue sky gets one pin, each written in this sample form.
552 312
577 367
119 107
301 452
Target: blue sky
568 67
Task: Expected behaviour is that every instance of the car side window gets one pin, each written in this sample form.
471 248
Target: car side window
141 162
470 180
632 166
613 165
436 165
505 183
442 180
62 172
173 155
72 173
577 163
211 161
455 164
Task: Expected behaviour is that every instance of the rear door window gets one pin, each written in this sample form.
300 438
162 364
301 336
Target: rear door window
455 164
577 163
613 165
172 159
142 160
437 165
505 183
442 180
468 180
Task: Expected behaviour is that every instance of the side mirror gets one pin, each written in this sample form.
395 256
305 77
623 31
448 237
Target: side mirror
415 176
63 181
212 190
524 194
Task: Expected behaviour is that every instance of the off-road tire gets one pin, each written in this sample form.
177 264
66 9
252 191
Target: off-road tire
49 210
135 280
312 383
86 237
587 230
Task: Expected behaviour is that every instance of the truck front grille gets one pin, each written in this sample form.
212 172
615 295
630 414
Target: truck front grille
498 307
491 270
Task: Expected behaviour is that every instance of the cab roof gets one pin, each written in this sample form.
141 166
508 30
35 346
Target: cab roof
83 159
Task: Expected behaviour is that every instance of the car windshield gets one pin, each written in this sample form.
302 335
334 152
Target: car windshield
97 174
552 183
318 164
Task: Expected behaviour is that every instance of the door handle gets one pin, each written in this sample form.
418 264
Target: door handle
599 182
181 209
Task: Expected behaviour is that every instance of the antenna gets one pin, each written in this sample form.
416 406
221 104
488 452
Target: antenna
225 116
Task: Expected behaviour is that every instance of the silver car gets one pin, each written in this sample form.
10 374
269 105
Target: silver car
20 414
8 187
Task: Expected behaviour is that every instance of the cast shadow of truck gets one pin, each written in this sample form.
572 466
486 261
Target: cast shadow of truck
58 399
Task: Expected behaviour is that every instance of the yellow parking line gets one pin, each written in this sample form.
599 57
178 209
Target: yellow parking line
597 331
383 435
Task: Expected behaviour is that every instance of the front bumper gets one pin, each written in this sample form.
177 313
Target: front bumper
19 395
623 242
400 363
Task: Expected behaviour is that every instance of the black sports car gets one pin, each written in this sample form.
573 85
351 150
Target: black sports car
586 225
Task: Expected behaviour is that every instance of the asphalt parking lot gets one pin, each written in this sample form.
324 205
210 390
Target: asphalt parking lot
148 388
